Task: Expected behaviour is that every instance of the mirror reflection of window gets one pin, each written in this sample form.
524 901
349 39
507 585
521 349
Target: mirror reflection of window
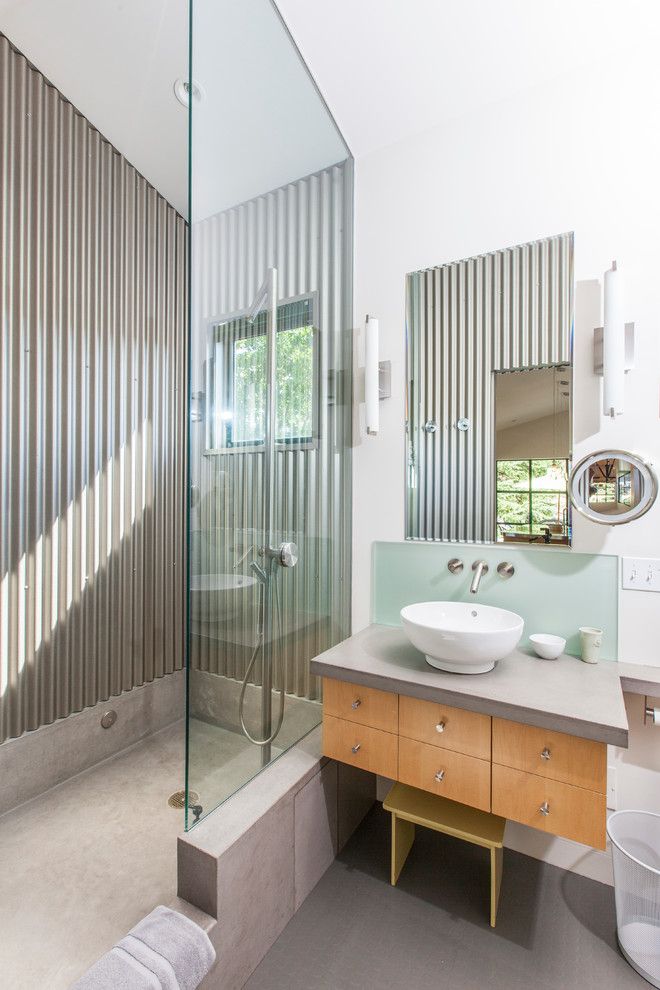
532 452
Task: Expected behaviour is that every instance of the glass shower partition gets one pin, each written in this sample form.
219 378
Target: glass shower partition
270 360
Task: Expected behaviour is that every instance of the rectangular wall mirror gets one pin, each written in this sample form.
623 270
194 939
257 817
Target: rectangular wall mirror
532 455
489 380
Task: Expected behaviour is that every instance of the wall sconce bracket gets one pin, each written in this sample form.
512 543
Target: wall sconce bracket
630 349
384 379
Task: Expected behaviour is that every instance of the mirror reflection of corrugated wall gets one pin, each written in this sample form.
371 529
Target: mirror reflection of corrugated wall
270 388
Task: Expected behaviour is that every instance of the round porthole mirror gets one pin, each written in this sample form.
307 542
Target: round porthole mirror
613 487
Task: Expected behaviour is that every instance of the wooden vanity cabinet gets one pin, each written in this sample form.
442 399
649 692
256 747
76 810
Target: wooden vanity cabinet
444 726
360 705
550 780
361 746
447 773
561 809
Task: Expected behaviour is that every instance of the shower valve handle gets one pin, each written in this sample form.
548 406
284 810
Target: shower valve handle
287 554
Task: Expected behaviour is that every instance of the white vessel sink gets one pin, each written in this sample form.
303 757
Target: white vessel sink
216 597
462 637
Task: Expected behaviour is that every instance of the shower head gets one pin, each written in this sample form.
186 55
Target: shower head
266 296
260 300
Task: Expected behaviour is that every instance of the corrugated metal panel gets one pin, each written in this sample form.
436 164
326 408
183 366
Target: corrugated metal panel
304 230
92 419
508 310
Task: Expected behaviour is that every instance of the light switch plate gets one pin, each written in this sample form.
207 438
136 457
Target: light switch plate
640 573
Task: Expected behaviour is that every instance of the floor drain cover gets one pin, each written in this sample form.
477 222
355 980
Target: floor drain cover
178 799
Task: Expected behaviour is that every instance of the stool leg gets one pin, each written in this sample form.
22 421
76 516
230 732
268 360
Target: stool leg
403 836
496 860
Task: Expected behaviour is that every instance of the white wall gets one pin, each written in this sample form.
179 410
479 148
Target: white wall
581 154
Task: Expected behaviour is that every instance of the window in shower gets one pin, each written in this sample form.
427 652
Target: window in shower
236 370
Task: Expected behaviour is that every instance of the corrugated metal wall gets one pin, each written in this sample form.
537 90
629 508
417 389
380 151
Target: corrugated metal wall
305 230
503 311
92 419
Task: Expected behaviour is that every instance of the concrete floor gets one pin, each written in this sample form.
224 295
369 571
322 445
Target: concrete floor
83 862
222 760
555 930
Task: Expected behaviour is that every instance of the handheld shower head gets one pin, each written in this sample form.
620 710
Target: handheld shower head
259 572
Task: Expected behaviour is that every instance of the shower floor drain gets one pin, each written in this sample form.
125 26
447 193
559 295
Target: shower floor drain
178 799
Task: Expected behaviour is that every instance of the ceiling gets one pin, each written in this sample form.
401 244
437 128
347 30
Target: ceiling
260 124
387 68
116 61
525 396
392 68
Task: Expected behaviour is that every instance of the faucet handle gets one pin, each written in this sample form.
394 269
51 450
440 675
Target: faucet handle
455 565
505 569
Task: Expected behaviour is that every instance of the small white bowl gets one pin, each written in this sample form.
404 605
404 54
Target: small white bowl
547 647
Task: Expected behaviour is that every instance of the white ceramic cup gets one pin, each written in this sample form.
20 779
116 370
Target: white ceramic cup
590 640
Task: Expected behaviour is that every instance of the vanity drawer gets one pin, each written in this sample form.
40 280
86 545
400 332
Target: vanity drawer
366 706
573 812
550 754
444 726
361 746
464 778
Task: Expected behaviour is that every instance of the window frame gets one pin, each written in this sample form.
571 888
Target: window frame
256 447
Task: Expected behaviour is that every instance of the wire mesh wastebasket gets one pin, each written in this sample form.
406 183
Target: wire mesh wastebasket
635 837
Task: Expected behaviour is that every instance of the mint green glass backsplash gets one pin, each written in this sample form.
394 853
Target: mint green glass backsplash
555 591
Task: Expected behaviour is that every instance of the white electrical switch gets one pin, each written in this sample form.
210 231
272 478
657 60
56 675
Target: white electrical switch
640 573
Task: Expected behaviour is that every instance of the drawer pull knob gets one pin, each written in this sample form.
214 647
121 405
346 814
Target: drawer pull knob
440 776
545 754
545 808
356 704
440 727
356 748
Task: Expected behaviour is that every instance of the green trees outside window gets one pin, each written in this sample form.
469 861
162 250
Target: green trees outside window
531 493
237 379
294 384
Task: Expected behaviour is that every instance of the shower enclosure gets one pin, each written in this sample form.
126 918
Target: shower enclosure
270 358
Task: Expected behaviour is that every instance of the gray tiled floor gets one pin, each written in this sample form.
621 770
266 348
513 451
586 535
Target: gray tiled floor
355 932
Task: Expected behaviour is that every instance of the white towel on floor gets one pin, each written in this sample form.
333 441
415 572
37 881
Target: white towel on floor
117 970
179 941
165 951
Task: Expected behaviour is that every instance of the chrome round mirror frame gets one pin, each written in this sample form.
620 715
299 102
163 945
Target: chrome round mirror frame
649 479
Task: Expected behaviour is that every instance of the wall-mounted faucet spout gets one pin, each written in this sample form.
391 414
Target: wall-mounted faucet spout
480 567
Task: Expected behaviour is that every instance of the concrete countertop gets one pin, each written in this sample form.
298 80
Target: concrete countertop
565 694
638 678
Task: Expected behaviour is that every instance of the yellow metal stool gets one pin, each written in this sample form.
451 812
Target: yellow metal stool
410 806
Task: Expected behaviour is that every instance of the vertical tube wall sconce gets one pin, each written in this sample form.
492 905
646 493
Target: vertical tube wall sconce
371 375
614 343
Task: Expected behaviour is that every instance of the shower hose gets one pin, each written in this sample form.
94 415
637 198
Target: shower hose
253 659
